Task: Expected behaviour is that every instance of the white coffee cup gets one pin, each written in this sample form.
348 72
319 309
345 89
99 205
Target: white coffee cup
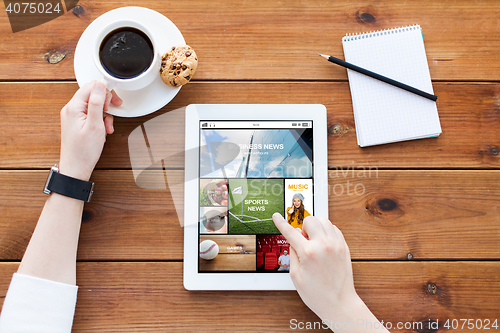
142 80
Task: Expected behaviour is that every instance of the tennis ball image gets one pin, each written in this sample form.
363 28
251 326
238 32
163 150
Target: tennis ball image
208 249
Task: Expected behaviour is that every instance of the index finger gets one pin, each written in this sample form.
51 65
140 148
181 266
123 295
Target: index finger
293 236
115 99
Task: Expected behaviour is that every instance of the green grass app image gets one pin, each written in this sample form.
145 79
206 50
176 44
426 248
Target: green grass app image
253 203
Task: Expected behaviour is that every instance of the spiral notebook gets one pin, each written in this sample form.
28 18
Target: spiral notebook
384 113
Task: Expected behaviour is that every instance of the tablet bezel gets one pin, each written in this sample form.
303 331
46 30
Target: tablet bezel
193 280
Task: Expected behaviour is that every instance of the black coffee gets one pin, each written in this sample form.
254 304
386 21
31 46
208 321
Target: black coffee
126 53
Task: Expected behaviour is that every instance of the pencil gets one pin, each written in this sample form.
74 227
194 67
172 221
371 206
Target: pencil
380 77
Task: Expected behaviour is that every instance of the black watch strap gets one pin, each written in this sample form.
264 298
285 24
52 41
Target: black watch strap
68 186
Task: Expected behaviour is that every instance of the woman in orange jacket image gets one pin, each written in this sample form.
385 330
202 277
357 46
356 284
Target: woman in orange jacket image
297 213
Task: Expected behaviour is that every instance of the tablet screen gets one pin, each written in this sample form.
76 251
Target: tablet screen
248 171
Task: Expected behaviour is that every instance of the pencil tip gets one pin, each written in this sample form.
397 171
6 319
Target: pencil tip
322 55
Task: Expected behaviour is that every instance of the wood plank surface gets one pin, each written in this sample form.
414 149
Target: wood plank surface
236 253
233 244
469 113
150 297
384 215
273 40
230 262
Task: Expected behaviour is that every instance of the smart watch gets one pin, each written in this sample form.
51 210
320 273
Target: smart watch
68 186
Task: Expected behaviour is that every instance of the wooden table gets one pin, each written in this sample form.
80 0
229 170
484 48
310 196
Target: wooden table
424 234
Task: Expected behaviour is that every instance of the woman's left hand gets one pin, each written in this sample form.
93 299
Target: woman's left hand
84 126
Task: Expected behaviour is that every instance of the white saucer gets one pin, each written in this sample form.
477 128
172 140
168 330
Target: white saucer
139 102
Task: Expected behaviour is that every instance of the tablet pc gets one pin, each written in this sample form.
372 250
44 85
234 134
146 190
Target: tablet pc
243 164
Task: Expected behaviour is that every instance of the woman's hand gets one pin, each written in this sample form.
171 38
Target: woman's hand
290 211
320 265
84 125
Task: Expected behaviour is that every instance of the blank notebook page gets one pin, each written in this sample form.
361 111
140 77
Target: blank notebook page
384 113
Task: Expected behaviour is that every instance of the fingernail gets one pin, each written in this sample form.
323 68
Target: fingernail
99 88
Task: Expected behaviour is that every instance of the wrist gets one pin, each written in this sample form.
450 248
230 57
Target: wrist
354 316
74 170
340 312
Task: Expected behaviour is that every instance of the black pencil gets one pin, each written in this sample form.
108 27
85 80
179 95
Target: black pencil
380 77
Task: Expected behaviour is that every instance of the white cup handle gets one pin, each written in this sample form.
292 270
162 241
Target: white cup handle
110 85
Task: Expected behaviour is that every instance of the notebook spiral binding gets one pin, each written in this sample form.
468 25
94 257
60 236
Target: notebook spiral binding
365 35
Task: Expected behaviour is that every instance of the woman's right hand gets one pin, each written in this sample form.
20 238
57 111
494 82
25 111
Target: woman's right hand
319 256
290 211
321 270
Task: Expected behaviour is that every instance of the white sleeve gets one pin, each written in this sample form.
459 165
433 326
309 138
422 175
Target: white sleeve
38 305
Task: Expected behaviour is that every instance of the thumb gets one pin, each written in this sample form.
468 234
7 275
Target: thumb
96 104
